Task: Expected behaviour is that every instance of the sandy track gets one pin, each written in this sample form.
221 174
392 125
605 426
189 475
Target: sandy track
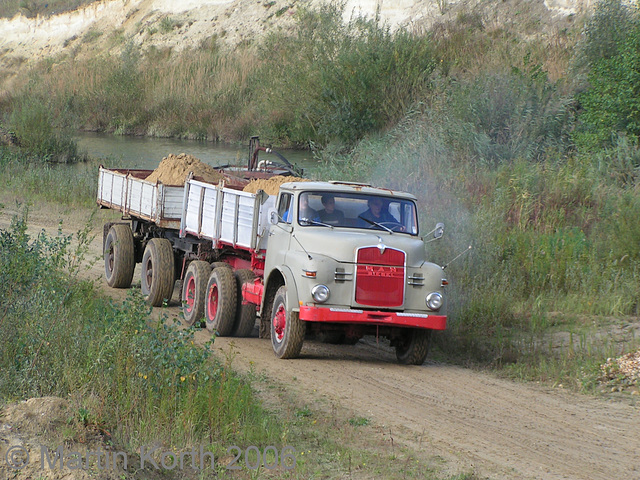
476 422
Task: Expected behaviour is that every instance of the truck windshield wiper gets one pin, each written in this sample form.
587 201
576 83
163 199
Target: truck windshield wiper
314 222
376 224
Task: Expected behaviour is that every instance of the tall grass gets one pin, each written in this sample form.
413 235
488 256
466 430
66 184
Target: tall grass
324 81
138 381
27 179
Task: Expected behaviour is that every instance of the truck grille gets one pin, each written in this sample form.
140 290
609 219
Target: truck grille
380 277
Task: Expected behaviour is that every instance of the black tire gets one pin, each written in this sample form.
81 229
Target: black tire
287 330
157 272
245 312
220 302
194 292
413 347
119 256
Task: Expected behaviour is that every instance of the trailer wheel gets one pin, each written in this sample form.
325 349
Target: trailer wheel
220 306
194 288
413 347
157 271
119 259
245 312
287 330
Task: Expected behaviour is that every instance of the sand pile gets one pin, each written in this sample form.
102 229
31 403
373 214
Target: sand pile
271 185
173 170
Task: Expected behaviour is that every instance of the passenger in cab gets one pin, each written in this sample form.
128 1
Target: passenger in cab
305 212
329 214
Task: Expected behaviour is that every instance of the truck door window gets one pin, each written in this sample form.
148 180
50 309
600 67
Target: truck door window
285 207
409 219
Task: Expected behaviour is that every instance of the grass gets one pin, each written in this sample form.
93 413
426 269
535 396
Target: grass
140 382
28 178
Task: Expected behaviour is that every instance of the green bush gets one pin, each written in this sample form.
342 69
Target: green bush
32 121
140 381
605 31
503 117
610 105
336 81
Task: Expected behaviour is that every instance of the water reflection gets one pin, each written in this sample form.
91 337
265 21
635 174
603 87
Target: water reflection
146 152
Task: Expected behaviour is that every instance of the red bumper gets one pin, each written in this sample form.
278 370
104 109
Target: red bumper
393 319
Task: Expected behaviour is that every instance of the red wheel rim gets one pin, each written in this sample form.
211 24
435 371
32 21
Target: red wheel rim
190 294
280 322
212 302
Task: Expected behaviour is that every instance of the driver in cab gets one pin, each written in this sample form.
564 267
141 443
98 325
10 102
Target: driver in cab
377 215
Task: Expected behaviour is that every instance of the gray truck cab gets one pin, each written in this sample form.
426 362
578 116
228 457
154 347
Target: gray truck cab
345 260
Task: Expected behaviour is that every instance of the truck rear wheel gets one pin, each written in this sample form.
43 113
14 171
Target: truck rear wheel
245 312
220 306
119 259
413 347
194 291
287 330
157 271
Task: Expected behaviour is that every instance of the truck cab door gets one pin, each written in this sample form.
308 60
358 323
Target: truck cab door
280 233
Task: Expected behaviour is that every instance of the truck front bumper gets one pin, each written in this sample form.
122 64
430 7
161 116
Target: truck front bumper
368 317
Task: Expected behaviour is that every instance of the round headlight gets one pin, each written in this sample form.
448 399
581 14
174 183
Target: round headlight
434 301
320 293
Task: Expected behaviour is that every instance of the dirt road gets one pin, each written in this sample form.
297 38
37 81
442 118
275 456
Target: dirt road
474 421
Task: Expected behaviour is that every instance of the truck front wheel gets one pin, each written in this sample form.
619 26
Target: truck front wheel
119 260
194 291
412 348
220 306
287 330
157 271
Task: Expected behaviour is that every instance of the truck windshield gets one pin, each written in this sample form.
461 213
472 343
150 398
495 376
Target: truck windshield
351 210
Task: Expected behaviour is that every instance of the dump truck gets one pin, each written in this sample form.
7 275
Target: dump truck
331 260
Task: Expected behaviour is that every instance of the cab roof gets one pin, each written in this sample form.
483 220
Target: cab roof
345 187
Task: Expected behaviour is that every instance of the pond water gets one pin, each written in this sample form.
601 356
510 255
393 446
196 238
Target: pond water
147 152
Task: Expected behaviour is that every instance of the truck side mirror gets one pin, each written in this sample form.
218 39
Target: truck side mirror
439 231
273 216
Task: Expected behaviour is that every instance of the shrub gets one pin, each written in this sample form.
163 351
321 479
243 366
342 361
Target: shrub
610 104
502 117
137 380
32 121
338 81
